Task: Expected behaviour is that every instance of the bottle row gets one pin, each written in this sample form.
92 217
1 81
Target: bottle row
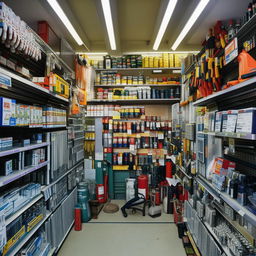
114 78
115 110
135 143
137 93
166 60
134 160
150 123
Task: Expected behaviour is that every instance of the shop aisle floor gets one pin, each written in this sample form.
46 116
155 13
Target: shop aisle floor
124 239
112 234
136 217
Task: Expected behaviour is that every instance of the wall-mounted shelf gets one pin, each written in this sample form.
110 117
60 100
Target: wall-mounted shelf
24 83
240 209
136 85
27 237
135 101
22 149
23 209
231 135
4 180
233 91
129 69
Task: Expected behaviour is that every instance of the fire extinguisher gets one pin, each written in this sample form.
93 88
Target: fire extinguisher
100 193
143 185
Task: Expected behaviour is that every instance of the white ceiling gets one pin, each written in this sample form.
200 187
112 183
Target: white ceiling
136 21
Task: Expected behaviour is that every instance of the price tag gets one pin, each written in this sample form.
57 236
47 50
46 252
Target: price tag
241 212
231 145
132 147
160 136
173 158
161 162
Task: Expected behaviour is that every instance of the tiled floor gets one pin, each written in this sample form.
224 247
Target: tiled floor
114 235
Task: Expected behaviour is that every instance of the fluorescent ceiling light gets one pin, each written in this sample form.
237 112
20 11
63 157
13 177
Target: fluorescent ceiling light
58 10
200 7
167 16
109 23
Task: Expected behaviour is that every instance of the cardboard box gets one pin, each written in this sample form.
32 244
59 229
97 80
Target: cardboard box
246 121
7 112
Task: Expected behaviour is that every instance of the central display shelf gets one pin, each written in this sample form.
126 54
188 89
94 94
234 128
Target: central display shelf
136 85
134 101
128 69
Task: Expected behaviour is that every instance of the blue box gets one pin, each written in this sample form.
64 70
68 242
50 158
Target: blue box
7 112
246 121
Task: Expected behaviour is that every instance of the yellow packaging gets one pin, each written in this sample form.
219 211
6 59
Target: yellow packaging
156 62
165 60
13 240
146 62
161 62
59 85
34 222
151 62
171 60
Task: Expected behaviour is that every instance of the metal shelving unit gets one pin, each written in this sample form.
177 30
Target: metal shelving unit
32 86
135 101
182 169
128 69
218 195
136 85
246 86
23 209
231 135
27 237
4 180
224 248
22 149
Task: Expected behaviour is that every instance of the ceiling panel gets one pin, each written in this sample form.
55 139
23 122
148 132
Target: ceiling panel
86 13
137 18
137 21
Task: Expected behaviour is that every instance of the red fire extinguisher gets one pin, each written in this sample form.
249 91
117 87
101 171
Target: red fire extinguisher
78 219
100 193
143 185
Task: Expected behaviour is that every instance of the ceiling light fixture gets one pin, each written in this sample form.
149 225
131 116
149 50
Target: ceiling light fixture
167 16
58 10
109 23
199 9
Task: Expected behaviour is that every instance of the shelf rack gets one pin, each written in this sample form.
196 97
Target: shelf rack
32 86
218 195
22 149
135 101
23 209
231 92
4 180
182 169
27 237
129 69
224 247
231 135
136 85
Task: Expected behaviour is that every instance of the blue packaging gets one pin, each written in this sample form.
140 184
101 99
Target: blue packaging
7 112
